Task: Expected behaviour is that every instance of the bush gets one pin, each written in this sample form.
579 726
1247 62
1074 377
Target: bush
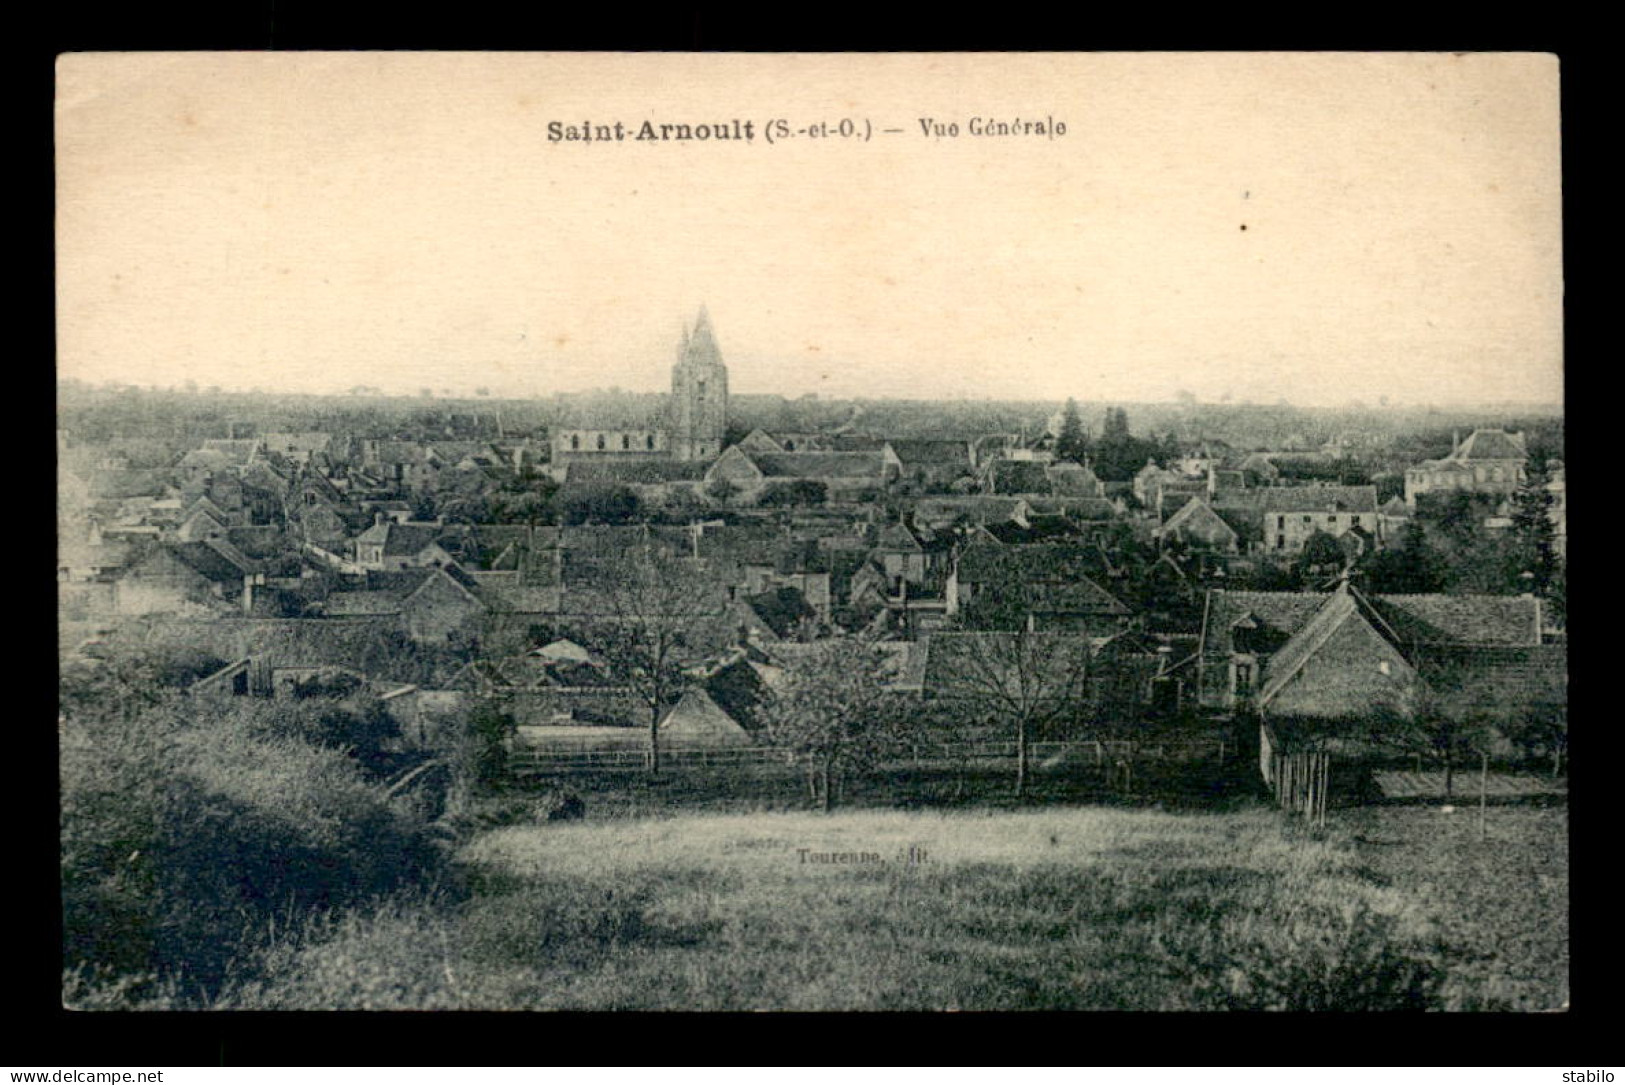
182 836
798 493
560 806
611 504
1320 955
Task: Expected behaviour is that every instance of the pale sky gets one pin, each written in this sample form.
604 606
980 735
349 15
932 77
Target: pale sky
308 222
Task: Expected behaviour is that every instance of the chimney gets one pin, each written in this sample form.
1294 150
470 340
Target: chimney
248 594
377 517
1455 441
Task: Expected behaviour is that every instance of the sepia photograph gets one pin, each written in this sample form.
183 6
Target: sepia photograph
811 532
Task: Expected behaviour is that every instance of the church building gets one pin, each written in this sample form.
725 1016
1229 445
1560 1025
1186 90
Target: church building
696 413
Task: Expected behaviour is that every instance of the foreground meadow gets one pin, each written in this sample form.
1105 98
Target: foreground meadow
1079 908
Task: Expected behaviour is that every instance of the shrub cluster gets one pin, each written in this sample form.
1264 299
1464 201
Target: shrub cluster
186 832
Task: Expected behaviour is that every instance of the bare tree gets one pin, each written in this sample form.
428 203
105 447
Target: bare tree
661 614
834 713
1020 679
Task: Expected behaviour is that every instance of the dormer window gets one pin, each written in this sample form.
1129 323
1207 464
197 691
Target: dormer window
575 442
649 442
626 442
600 442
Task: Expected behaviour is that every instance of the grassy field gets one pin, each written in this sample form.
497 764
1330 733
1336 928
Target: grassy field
1075 908
1502 902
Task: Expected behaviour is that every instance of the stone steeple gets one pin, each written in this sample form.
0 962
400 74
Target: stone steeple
699 394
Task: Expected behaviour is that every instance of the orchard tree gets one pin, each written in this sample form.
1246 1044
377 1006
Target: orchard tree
657 608
1540 730
1018 680
834 713
1428 728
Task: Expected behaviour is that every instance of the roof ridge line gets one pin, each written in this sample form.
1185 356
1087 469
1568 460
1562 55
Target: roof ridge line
1320 638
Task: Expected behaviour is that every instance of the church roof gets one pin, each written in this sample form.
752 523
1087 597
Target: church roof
819 464
645 472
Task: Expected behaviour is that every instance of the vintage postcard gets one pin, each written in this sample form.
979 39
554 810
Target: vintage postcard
812 532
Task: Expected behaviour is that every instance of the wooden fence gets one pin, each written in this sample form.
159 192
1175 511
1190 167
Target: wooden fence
1104 755
1302 783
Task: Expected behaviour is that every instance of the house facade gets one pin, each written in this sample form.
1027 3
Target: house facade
1489 461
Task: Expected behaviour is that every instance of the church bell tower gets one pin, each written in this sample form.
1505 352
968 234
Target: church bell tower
699 394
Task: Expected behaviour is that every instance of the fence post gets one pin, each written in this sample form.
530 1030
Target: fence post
1325 786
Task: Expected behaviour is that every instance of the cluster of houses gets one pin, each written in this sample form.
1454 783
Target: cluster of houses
295 558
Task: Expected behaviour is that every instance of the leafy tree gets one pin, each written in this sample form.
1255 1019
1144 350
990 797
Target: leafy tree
464 508
1410 567
482 756
613 504
801 492
1535 536
680 507
1167 449
1071 443
530 507
833 712
722 491
1459 517
1489 564
1119 455
1430 729
1116 427
1320 557
1540 731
